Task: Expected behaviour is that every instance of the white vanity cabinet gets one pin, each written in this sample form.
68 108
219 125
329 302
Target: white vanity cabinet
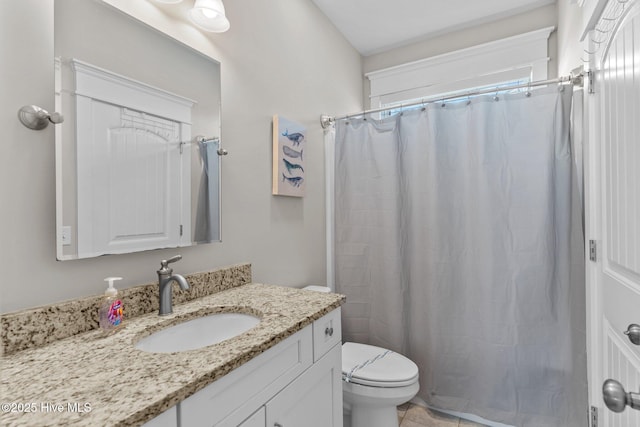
166 419
257 419
314 399
295 383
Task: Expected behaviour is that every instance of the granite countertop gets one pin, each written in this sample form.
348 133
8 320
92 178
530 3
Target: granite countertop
93 380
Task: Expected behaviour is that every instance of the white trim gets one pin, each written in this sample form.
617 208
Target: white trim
329 166
449 87
592 204
58 155
107 86
528 52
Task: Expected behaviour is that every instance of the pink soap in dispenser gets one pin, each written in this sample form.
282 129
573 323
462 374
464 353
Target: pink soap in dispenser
111 310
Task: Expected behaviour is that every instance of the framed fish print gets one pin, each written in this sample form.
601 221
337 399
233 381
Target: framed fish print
289 140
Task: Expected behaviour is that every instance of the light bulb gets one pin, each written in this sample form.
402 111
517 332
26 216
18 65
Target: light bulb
208 13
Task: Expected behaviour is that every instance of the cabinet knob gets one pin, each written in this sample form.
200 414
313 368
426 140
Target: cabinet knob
277 425
328 331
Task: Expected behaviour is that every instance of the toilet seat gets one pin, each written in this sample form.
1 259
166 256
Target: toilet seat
373 366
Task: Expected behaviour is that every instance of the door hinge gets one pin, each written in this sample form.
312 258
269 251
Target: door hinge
593 416
180 230
591 81
593 250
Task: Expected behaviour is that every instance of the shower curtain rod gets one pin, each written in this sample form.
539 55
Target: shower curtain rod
576 80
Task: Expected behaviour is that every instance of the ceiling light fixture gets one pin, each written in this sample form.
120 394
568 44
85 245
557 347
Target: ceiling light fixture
210 16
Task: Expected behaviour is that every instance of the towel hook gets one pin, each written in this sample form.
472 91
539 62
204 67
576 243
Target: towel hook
37 118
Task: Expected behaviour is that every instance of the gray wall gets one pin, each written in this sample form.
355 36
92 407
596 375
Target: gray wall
280 57
570 52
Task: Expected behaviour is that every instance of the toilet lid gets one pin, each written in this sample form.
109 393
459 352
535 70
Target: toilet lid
376 366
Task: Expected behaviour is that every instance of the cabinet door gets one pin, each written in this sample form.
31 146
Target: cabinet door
327 332
228 401
255 420
168 418
314 399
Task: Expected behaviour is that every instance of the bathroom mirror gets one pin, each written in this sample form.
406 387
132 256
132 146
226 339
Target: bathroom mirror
131 172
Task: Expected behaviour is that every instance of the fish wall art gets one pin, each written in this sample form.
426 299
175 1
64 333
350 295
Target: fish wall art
289 141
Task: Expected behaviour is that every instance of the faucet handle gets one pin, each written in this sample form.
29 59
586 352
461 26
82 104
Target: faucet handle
165 262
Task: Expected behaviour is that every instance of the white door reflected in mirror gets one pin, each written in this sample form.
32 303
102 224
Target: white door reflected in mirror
129 174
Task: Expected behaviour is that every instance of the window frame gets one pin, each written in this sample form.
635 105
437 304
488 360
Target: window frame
521 57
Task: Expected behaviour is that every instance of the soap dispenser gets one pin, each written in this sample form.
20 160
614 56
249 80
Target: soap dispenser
111 310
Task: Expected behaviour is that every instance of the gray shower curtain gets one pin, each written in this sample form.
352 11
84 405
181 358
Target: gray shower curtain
458 242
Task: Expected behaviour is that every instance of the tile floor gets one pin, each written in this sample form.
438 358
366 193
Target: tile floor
411 415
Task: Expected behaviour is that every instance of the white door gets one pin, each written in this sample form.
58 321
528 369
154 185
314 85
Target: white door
129 171
613 221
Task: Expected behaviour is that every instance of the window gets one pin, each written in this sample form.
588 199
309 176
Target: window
396 107
520 59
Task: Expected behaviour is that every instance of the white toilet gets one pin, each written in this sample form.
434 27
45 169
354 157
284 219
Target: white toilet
374 382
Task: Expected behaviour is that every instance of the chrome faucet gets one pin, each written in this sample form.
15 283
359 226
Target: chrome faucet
165 277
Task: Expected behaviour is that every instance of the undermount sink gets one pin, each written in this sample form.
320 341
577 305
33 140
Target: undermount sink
197 333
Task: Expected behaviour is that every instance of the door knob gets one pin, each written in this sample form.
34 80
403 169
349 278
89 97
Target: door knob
616 398
633 332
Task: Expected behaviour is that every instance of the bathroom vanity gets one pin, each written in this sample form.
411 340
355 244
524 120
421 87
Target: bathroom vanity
295 383
284 371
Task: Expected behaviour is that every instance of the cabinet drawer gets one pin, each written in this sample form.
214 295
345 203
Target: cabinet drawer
327 332
246 388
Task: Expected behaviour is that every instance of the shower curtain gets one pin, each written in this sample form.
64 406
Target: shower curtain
458 242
